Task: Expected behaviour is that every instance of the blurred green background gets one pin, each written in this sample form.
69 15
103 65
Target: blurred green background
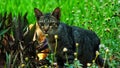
101 16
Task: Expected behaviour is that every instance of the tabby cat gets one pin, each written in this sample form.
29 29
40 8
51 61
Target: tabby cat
68 36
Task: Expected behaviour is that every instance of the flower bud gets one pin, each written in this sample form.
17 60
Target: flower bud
107 50
64 49
22 65
77 44
88 64
56 36
97 53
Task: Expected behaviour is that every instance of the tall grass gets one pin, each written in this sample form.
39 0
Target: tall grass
101 16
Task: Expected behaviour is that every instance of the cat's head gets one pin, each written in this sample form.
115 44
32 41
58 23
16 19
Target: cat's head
48 22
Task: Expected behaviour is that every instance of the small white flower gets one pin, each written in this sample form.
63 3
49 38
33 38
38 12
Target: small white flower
55 63
97 53
88 64
56 36
75 53
107 50
75 59
64 49
107 29
93 61
22 65
77 44
102 45
26 58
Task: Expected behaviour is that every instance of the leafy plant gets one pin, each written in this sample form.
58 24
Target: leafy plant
5 25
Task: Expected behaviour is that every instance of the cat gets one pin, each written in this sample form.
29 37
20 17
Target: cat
68 36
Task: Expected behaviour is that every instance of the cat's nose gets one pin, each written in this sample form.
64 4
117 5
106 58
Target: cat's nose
46 28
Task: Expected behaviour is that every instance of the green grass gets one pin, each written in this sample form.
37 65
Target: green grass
101 17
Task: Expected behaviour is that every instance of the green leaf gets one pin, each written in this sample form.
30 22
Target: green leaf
0 24
3 31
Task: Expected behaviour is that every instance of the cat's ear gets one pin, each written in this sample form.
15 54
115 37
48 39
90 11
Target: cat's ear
38 13
56 13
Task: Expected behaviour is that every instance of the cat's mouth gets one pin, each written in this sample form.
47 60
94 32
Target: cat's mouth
45 32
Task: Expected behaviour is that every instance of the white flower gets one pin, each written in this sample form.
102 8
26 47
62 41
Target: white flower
107 50
77 44
56 36
64 49
102 45
88 64
93 61
22 65
75 59
75 53
97 53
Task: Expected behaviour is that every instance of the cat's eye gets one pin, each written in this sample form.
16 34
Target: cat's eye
50 24
41 24
55 24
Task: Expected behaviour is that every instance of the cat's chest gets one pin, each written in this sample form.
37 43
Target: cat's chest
51 42
54 43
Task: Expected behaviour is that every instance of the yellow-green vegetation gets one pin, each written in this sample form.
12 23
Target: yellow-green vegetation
101 16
